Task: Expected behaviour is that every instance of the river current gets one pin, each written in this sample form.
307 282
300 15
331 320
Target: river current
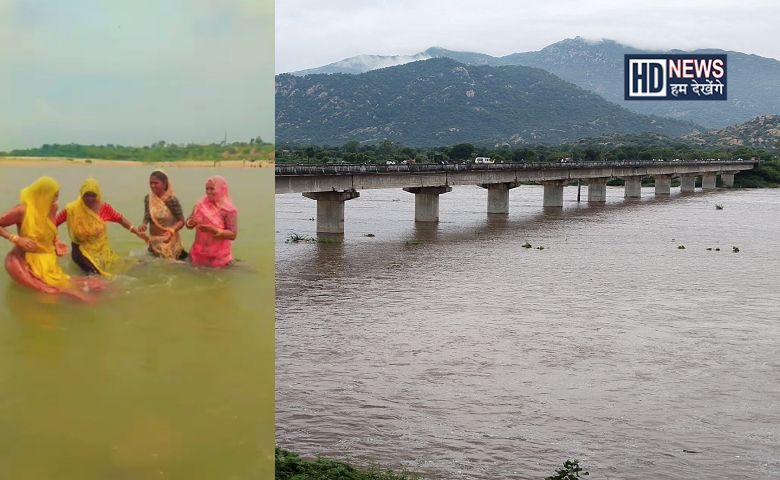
452 351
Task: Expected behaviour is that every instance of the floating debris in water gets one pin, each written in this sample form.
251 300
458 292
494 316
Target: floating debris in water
709 249
414 242
371 235
295 238
735 249
526 245
540 247
680 247
690 451
718 206
717 249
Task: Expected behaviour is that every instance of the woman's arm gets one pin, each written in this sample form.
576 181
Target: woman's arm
231 224
15 216
9 218
191 223
175 207
108 213
230 232
61 217
59 247
147 218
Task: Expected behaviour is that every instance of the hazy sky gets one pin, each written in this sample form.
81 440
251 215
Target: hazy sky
312 33
135 71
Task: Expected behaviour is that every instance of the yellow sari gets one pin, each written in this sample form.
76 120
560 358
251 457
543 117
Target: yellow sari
88 230
38 199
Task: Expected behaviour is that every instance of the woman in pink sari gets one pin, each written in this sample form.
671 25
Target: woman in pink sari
215 220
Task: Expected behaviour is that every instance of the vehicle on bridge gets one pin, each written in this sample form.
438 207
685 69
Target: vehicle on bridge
484 160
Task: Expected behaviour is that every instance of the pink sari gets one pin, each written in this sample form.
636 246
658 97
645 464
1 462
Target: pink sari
209 250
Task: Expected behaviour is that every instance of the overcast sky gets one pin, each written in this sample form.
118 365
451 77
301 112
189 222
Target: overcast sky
134 72
312 33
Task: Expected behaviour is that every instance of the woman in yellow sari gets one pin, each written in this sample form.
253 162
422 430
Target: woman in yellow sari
33 260
164 216
87 217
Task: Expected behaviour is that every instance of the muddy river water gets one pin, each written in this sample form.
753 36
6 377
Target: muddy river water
452 351
169 374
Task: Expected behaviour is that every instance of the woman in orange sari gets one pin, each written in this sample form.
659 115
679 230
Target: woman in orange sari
33 260
164 217
215 220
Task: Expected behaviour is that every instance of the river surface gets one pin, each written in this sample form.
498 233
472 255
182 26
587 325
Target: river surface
169 374
454 352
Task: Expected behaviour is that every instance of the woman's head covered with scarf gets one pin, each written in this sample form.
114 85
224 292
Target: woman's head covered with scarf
38 199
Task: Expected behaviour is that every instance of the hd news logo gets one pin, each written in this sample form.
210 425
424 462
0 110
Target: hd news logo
675 77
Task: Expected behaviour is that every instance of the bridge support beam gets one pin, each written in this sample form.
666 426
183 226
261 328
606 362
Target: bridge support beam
687 183
597 190
426 202
633 187
727 180
330 209
498 197
553 193
708 181
663 185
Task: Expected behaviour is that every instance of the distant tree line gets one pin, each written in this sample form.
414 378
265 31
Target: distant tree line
356 153
629 148
254 149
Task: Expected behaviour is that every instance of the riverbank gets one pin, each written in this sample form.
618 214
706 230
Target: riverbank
766 175
51 161
290 466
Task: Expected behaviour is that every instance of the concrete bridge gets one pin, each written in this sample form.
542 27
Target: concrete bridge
332 185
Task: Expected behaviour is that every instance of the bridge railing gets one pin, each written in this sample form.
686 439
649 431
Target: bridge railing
352 169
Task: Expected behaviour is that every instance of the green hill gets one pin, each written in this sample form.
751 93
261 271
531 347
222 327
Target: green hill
760 132
442 102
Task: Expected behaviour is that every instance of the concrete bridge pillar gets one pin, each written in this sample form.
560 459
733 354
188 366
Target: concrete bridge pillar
553 193
663 185
330 209
633 187
426 202
727 180
597 190
708 181
498 197
687 183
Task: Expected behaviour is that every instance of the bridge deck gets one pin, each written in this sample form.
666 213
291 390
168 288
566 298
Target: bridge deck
325 178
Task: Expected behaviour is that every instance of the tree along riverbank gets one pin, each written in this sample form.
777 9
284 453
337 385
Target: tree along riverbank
254 151
766 175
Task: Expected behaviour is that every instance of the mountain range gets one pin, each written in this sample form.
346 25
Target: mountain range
441 101
753 81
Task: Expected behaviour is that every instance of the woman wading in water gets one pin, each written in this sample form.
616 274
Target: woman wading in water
163 215
33 260
87 217
215 220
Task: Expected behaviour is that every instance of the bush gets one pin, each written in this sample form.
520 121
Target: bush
571 471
